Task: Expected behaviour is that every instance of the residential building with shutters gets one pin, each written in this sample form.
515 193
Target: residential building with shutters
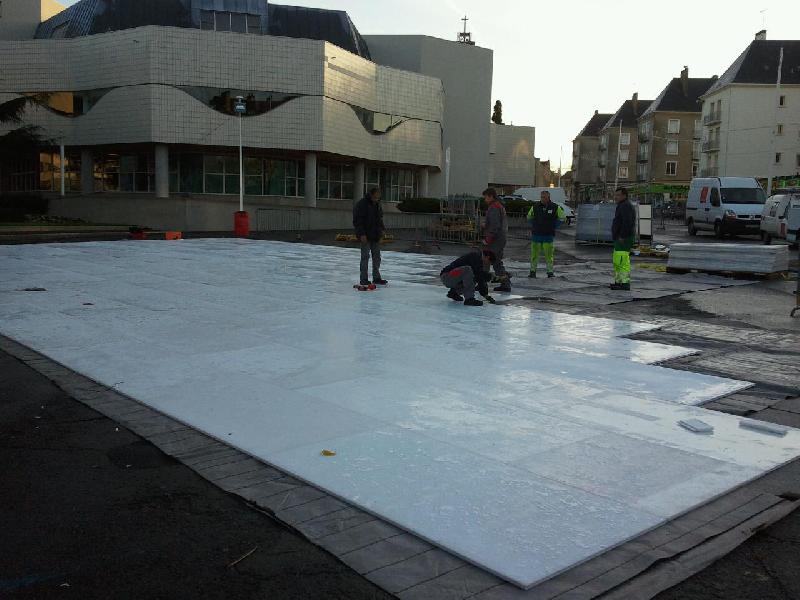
586 171
619 143
749 129
670 133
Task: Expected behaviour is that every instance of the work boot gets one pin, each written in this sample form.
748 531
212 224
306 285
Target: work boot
380 281
503 288
365 283
621 287
454 295
472 302
532 275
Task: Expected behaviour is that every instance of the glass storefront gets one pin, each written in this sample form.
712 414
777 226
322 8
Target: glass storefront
44 174
219 174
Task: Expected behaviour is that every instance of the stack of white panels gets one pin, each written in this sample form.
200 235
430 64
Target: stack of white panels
735 258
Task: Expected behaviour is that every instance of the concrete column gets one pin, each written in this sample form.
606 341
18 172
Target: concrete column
87 172
360 181
311 180
424 181
162 171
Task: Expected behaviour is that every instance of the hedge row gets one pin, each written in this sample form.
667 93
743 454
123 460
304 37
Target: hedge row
14 207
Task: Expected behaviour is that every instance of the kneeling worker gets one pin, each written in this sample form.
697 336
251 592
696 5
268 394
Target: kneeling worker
464 274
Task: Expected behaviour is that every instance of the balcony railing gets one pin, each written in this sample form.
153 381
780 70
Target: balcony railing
713 118
601 163
645 135
642 157
711 146
709 172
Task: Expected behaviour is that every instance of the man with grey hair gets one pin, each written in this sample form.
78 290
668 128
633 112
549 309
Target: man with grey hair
368 223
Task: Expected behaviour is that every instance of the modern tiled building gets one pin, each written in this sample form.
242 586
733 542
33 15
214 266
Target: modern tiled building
512 164
465 71
620 133
670 133
751 130
142 98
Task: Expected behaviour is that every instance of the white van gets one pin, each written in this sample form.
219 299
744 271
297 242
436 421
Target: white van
775 216
557 195
725 205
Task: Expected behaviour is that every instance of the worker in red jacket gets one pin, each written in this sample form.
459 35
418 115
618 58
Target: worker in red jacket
496 236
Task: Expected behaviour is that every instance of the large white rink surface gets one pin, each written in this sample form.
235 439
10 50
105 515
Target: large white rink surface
524 441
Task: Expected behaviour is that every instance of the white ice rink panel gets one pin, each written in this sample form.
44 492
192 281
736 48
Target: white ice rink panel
524 441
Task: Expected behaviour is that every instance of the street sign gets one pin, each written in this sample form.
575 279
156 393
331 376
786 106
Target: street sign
240 108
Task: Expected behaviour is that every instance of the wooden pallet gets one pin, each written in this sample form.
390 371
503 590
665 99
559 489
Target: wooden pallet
731 274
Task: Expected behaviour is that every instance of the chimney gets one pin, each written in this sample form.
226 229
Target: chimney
635 101
596 112
685 81
761 35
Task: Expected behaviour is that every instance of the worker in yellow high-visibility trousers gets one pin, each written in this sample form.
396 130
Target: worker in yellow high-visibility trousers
545 217
623 232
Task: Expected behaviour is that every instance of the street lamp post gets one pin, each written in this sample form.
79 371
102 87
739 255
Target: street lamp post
241 220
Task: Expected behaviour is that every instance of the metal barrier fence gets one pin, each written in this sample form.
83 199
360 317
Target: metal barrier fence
280 219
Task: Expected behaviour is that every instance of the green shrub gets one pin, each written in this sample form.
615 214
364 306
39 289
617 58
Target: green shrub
15 207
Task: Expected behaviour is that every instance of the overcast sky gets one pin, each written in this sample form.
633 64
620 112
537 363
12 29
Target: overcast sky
556 62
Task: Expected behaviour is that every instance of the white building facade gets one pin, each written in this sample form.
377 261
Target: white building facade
749 128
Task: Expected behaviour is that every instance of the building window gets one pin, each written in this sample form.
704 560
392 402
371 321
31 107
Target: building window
198 174
782 101
697 148
224 100
625 139
623 172
230 21
399 184
220 174
372 180
43 173
778 157
779 130
335 181
137 173
798 162
624 155
672 168
695 169
674 126
672 147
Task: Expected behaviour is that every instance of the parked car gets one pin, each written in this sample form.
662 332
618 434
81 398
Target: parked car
557 195
775 216
725 205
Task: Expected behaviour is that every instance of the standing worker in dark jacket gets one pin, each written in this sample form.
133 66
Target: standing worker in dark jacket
368 223
496 236
623 231
545 217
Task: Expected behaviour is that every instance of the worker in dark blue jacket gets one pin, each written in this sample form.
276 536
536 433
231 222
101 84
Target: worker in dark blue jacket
467 273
